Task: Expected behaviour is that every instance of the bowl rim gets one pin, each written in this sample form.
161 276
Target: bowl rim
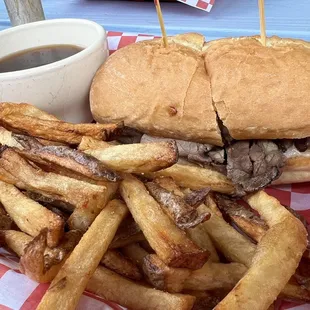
102 35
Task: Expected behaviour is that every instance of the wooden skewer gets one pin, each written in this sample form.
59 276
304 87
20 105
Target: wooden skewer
24 11
161 22
262 21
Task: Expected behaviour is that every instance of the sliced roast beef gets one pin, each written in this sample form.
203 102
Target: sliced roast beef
253 165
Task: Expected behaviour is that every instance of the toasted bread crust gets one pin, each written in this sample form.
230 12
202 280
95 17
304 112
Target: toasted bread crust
160 91
261 92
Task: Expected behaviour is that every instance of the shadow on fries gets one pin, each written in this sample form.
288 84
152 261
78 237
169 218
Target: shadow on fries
131 224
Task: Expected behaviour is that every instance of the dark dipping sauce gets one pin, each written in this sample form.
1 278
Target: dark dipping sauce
37 57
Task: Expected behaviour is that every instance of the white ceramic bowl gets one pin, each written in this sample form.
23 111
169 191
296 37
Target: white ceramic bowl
62 87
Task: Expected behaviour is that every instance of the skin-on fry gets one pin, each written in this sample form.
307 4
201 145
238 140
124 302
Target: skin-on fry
59 187
7 138
5 221
214 276
211 276
49 200
286 232
26 109
63 157
114 287
169 242
198 234
67 244
42 264
195 177
39 262
10 139
234 246
201 237
84 215
204 300
117 262
16 240
136 253
250 223
29 215
121 242
184 215
70 282
43 125
169 184
163 277
197 197
89 143
128 232
239 249
137 158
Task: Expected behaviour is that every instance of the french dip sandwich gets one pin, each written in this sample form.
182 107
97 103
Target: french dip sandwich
231 104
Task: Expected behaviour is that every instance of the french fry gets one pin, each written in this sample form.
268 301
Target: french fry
197 197
169 242
89 143
63 215
204 300
286 233
195 177
117 262
234 246
70 282
29 215
128 232
121 242
17 118
169 184
7 138
63 158
250 223
67 244
25 176
26 109
136 253
183 215
49 200
5 221
201 237
42 264
211 276
114 287
84 215
163 277
214 276
16 240
137 158
198 234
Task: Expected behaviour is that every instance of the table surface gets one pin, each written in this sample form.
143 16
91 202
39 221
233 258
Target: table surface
286 18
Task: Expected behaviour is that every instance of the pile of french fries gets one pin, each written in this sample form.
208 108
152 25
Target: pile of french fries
130 223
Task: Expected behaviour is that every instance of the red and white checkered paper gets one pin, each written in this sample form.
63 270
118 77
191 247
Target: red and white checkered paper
205 5
18 292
